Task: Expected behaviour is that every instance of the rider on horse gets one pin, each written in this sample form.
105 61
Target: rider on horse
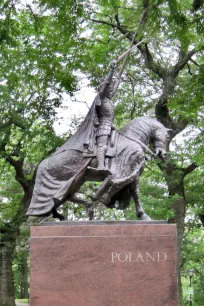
105 115
104 110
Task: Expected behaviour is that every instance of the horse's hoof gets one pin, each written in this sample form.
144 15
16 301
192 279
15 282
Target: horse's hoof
145 217
56 215
90 214
117 204
60 217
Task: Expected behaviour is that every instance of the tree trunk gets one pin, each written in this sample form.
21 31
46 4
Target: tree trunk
9 234
7 292
180 208
24 276
175 180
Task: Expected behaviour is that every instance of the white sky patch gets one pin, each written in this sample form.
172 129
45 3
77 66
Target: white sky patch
186 135
74 108
77 108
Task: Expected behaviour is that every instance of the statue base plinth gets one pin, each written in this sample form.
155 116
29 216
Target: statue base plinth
104 264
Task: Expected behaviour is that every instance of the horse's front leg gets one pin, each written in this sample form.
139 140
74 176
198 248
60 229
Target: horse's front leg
89 205
135 190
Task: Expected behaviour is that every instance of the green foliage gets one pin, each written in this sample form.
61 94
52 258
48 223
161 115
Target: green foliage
154 195
193 258
17 268
23 301
46 45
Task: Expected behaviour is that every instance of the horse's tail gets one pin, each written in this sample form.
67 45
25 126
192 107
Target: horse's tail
121 199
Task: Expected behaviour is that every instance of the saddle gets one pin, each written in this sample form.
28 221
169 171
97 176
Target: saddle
111 150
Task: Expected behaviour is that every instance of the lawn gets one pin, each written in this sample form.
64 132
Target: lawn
23 301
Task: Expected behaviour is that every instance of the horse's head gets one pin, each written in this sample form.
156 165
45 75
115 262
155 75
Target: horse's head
160 138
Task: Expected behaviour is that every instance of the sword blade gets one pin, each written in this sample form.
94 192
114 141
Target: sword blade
129 50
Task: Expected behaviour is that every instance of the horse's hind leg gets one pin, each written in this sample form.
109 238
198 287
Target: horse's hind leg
135 189
90 212
57 215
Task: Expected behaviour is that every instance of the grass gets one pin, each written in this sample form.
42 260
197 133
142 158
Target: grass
23 301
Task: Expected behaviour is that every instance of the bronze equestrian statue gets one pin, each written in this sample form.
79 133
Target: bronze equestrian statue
96 152
101 129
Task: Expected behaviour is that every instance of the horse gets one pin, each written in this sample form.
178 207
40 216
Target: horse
60 176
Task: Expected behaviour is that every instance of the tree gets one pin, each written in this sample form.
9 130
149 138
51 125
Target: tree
46 44
34 74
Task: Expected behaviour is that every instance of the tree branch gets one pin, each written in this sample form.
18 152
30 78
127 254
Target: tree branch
194 62
150 63
182 62
34 16
126 8
18 166
201 219
190 168
13 121
168 76
5 124
104 22
197 4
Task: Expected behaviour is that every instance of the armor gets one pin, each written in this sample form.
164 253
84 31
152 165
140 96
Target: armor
105 114
98 124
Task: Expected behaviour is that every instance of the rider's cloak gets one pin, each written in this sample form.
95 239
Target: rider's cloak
54 177
84 138
64 169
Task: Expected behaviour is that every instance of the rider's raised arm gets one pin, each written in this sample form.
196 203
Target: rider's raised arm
105 85
109 86
114 86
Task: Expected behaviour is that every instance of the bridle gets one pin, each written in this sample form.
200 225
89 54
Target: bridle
141 143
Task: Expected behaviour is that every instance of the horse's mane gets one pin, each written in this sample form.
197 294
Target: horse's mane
141 128
147 121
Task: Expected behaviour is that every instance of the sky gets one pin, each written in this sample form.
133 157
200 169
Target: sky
77 108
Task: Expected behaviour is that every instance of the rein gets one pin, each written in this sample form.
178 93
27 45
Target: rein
142 144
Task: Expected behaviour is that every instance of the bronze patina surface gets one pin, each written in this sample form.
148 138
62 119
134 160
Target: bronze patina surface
97 152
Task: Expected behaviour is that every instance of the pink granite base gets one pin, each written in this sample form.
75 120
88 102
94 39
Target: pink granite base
103 265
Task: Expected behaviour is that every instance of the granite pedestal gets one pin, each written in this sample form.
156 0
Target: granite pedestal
103 264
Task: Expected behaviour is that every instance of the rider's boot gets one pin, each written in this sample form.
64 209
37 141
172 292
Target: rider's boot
100 155
101 151
101 160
